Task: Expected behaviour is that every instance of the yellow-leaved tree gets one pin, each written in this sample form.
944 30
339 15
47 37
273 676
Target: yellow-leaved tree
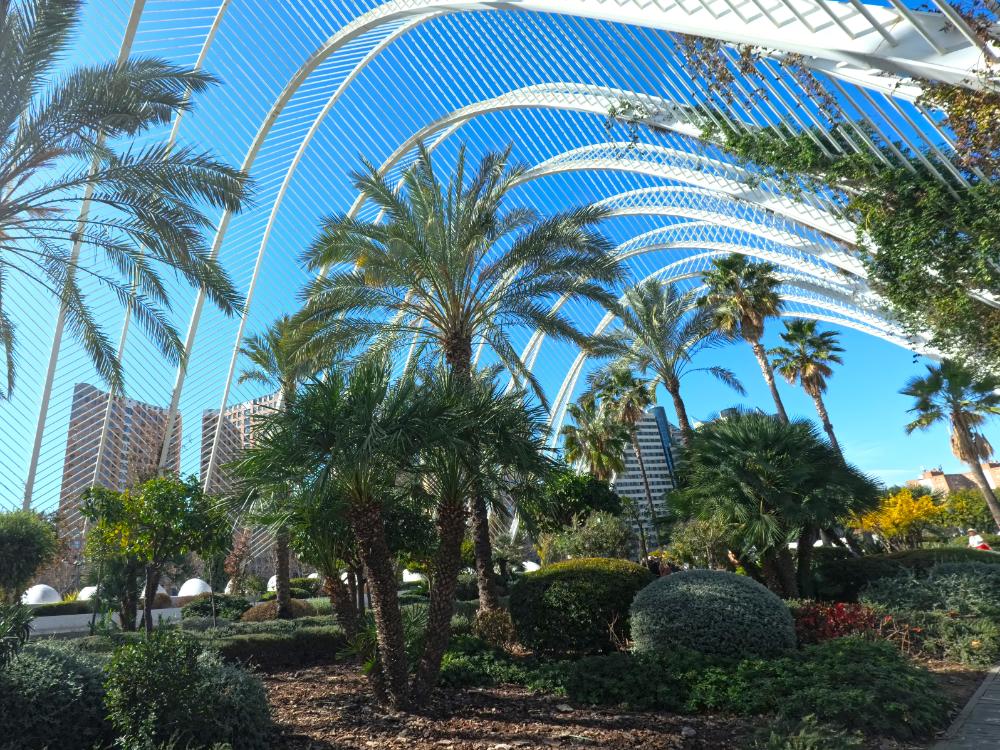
901 519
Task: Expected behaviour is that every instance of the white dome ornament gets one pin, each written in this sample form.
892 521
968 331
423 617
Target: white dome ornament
530 567
86 593
193 587
314 576
409 577
40 594
272 583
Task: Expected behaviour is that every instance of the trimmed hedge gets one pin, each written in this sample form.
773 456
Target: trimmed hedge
64 608
712 612
294 592
313 585
269 611
227 606
310 645
840 577
52 696
576 606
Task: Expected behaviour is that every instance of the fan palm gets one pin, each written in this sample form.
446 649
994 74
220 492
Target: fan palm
594 442
952 393
662 331
774 482
741 296
143 207
278 360
452 267
806 359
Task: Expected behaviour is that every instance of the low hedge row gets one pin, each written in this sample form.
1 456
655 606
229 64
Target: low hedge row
840 577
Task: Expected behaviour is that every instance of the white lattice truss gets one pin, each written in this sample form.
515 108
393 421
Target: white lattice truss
312 84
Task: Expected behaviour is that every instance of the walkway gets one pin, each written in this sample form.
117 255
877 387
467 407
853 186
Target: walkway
978 725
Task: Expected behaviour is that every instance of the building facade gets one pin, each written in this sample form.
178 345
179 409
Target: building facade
133 441
237 433
938 481
657 444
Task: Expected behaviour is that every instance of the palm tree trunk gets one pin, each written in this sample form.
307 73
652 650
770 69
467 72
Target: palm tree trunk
282 587
683 424
444 573
368 525
768 372
343 604
488 599
979 478
645 479
824 418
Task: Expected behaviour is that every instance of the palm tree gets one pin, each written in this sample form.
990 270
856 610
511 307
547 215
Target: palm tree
451 268
594 442
662 331
953 393
278 360
807 359
774 482
741 296
144 207
625 398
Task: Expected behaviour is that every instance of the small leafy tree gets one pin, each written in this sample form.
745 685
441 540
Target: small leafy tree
596 535
27 543
901 519
566 495
966 509
156 522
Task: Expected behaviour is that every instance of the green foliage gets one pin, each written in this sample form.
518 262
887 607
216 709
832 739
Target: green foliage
597 535
565 496
166 688
960 588
364 645
27 542
312 585
808 733
700 543
15 627
713 612
470 662
227 606
967 509
269 610
200 624
495 627
942 635
312 644
64 608
51 696
294 592
840 577
638 682
577 606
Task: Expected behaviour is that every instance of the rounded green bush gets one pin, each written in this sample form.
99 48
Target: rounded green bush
713 612
227 606
52 696
167 688
576 606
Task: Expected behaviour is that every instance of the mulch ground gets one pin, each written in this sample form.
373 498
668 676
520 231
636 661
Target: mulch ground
328 707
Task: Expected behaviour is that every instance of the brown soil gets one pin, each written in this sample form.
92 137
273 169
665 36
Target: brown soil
328 708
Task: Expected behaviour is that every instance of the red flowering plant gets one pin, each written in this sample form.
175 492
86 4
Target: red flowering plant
821 621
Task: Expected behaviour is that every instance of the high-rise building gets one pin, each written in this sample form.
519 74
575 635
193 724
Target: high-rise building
237 433
133 441
656 440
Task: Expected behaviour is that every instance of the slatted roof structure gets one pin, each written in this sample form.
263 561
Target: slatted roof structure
311 86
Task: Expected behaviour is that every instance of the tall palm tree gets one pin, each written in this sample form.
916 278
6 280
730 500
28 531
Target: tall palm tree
806 359
625 398
774 482
62 134
278 360
453 267
662 331
742 295
594 441
952 393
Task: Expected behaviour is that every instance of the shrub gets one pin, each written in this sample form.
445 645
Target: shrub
577 606
201 624
963 588
64 608
941 635
467 586
269 611
713 612
494 627
51 696
226 606
27 543
821 621
312 645
167 688
841 578
312 585
660 680
293 592
470 662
